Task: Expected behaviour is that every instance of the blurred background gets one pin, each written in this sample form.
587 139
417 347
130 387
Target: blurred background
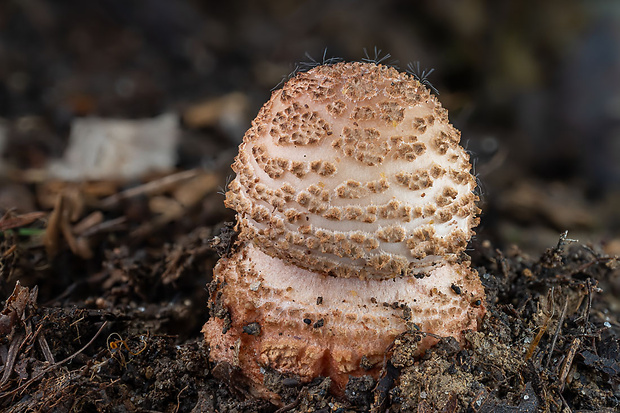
534 87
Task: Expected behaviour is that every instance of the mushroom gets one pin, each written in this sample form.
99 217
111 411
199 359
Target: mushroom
354 206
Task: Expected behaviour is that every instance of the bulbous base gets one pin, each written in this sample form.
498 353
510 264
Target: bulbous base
270 314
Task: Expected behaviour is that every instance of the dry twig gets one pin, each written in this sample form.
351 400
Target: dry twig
150 187
25 385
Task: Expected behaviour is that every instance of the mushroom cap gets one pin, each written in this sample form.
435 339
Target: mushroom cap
353 170
314 325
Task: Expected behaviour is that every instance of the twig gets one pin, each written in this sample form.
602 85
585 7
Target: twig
45 348
563 241
16 344
53 366
9 222
557 332
293 404
109 225
537 338
589 309
565 404
568 362
149 187
585 328
64 294
176 409
588 264
586 315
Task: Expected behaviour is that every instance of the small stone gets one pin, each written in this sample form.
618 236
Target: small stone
252 329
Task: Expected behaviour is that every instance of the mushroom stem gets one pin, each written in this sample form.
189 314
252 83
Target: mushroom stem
314 325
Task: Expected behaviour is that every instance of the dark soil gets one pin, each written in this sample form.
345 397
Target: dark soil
549 341
112 290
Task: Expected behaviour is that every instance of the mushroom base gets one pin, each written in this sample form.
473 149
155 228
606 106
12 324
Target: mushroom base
269 314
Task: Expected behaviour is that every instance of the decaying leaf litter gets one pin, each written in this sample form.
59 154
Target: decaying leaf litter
126 298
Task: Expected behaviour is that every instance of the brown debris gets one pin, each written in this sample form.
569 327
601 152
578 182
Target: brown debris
222 111
9 221
153 187
18 337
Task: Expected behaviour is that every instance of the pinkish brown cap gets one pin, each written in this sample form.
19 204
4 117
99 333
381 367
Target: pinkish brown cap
353 170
